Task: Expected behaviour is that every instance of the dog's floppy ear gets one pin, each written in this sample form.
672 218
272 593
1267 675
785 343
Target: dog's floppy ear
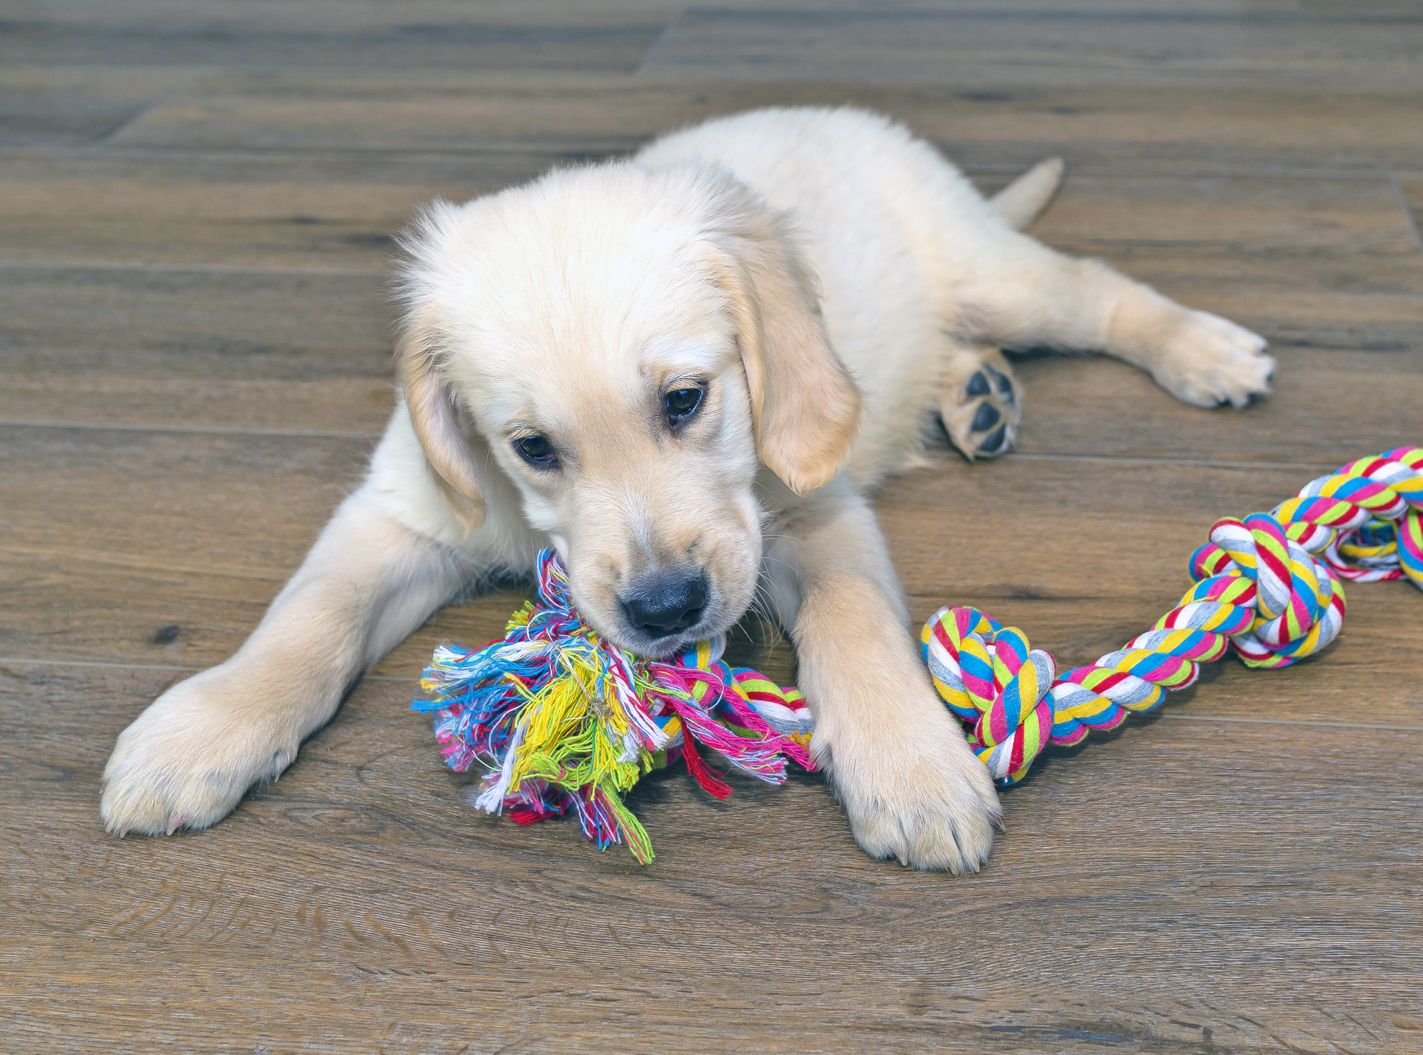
434 415
805 405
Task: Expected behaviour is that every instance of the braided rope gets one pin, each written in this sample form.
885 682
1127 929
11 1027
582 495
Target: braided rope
1267 587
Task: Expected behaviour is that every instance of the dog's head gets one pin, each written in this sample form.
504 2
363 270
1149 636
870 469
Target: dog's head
628 346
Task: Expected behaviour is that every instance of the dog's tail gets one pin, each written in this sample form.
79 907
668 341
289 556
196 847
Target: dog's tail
1023 200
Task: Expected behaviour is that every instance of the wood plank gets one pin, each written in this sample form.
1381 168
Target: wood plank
1360 9
1223 233
306 210
1324 402
201 531
1197 856
285 350
1185 127
1035 8
220 210
991 49
325 33
294 319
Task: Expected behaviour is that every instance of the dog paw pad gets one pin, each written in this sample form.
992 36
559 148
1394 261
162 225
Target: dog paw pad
981 418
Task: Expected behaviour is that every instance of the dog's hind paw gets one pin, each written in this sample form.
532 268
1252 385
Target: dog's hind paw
981 403
1210 362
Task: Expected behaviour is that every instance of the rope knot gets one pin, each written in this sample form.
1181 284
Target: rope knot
1297 599
990 677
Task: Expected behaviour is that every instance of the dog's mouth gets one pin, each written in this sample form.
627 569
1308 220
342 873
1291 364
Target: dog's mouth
659 648
653 628
717 618
665 646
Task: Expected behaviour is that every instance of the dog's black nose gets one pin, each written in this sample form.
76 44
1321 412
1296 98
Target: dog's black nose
664 603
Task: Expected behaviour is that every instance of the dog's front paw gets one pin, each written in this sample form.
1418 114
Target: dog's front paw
187 760
925 801
1210 361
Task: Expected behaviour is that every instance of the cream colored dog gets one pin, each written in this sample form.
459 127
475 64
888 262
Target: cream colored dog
685 371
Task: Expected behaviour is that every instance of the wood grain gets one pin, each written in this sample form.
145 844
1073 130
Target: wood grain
1334 233
321 33
1045 47
843 953
1192 127
430 115
195 208
304 211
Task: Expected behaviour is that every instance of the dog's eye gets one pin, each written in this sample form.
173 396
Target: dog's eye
537 451
682 403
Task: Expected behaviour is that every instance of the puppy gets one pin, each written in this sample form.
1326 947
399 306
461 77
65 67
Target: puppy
685 372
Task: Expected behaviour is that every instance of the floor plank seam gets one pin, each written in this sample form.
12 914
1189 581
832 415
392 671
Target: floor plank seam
387 269
652 49
141 111
1180 716
1408 212
388 679
1202 463
159 268
201 430
554 154
176 668
1234 17
375 434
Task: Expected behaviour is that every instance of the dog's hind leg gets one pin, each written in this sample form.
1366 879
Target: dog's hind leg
1022 294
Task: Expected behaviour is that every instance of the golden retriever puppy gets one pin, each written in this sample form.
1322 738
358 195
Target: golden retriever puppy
685 372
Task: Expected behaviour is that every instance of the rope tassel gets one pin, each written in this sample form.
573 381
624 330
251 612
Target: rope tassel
560 720
1269 587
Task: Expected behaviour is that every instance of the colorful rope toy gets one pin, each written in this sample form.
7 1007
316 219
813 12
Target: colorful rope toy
561 719
1267 587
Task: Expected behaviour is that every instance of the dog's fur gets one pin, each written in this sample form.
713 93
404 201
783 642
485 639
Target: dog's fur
830 282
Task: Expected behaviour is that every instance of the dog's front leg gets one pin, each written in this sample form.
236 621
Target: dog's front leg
910 784
187 760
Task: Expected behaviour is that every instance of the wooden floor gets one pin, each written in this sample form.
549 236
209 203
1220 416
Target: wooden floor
195 204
